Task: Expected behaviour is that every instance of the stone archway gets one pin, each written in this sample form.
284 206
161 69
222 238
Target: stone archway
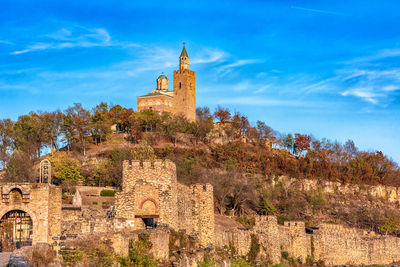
16 229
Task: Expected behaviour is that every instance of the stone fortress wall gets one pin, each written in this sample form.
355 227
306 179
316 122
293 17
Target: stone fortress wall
333 244
149 190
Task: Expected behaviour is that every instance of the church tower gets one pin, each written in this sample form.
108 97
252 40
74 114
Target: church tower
184 88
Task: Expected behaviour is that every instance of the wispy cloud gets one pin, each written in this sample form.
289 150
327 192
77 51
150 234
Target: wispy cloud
257 101
318 11
209 56
366 94
227 68
379 55
73 36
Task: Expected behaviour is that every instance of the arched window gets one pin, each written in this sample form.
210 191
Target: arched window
15 196
180 85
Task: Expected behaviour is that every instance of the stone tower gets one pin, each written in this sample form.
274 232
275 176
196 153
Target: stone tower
184 88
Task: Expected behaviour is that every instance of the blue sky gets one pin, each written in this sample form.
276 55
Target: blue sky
326 68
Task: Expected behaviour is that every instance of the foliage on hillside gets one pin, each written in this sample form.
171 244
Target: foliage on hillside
238 167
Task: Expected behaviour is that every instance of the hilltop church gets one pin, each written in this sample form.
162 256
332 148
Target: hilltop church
180 101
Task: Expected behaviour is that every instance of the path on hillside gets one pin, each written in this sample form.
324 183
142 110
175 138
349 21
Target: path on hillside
4 258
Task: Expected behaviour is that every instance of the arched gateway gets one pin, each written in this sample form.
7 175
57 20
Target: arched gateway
16 230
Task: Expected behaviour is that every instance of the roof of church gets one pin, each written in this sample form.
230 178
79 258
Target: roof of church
184 53
154 94
162 76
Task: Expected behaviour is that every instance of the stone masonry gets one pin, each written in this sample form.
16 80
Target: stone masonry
330 243
42 202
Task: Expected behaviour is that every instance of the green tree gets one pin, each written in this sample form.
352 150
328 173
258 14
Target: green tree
78 126
6 140
65 168
19 167
100 123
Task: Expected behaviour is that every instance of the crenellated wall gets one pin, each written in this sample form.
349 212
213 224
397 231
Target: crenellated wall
196 211
149 185
150 190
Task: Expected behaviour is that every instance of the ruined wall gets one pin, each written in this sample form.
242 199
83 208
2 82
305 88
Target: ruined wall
332 244
196 211
337 245
42 202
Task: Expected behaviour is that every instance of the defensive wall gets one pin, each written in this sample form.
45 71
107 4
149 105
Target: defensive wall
150 191
333 244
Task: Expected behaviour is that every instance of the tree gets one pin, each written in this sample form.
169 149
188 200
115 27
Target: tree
265 132
222 114
302 142
100 123
241 123
289 143
19 167
28 135
6 140
78 128
50 125
203 114
65 169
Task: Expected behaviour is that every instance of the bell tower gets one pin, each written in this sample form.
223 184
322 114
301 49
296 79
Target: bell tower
184 88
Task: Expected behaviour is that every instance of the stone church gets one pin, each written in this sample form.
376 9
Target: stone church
181 100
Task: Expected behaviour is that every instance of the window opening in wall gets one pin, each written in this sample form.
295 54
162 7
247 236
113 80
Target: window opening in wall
180 85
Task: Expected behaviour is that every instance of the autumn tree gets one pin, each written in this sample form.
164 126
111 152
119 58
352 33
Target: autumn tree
222 114
302 142
240 123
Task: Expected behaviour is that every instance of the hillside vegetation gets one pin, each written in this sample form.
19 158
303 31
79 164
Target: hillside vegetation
240 160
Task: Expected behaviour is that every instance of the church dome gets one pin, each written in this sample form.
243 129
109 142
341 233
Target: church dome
162 76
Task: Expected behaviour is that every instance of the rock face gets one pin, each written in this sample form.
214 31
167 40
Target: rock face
388 193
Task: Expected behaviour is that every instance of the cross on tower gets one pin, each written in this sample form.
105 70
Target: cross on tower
184 44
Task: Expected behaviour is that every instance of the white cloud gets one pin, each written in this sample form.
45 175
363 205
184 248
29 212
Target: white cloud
227 68
257 101
72 36
366 94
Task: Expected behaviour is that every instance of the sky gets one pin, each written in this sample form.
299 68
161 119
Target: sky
325 68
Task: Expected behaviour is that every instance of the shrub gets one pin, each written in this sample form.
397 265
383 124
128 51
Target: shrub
285 255
254 248
90 251
107 193
207 262
246 222
139 254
